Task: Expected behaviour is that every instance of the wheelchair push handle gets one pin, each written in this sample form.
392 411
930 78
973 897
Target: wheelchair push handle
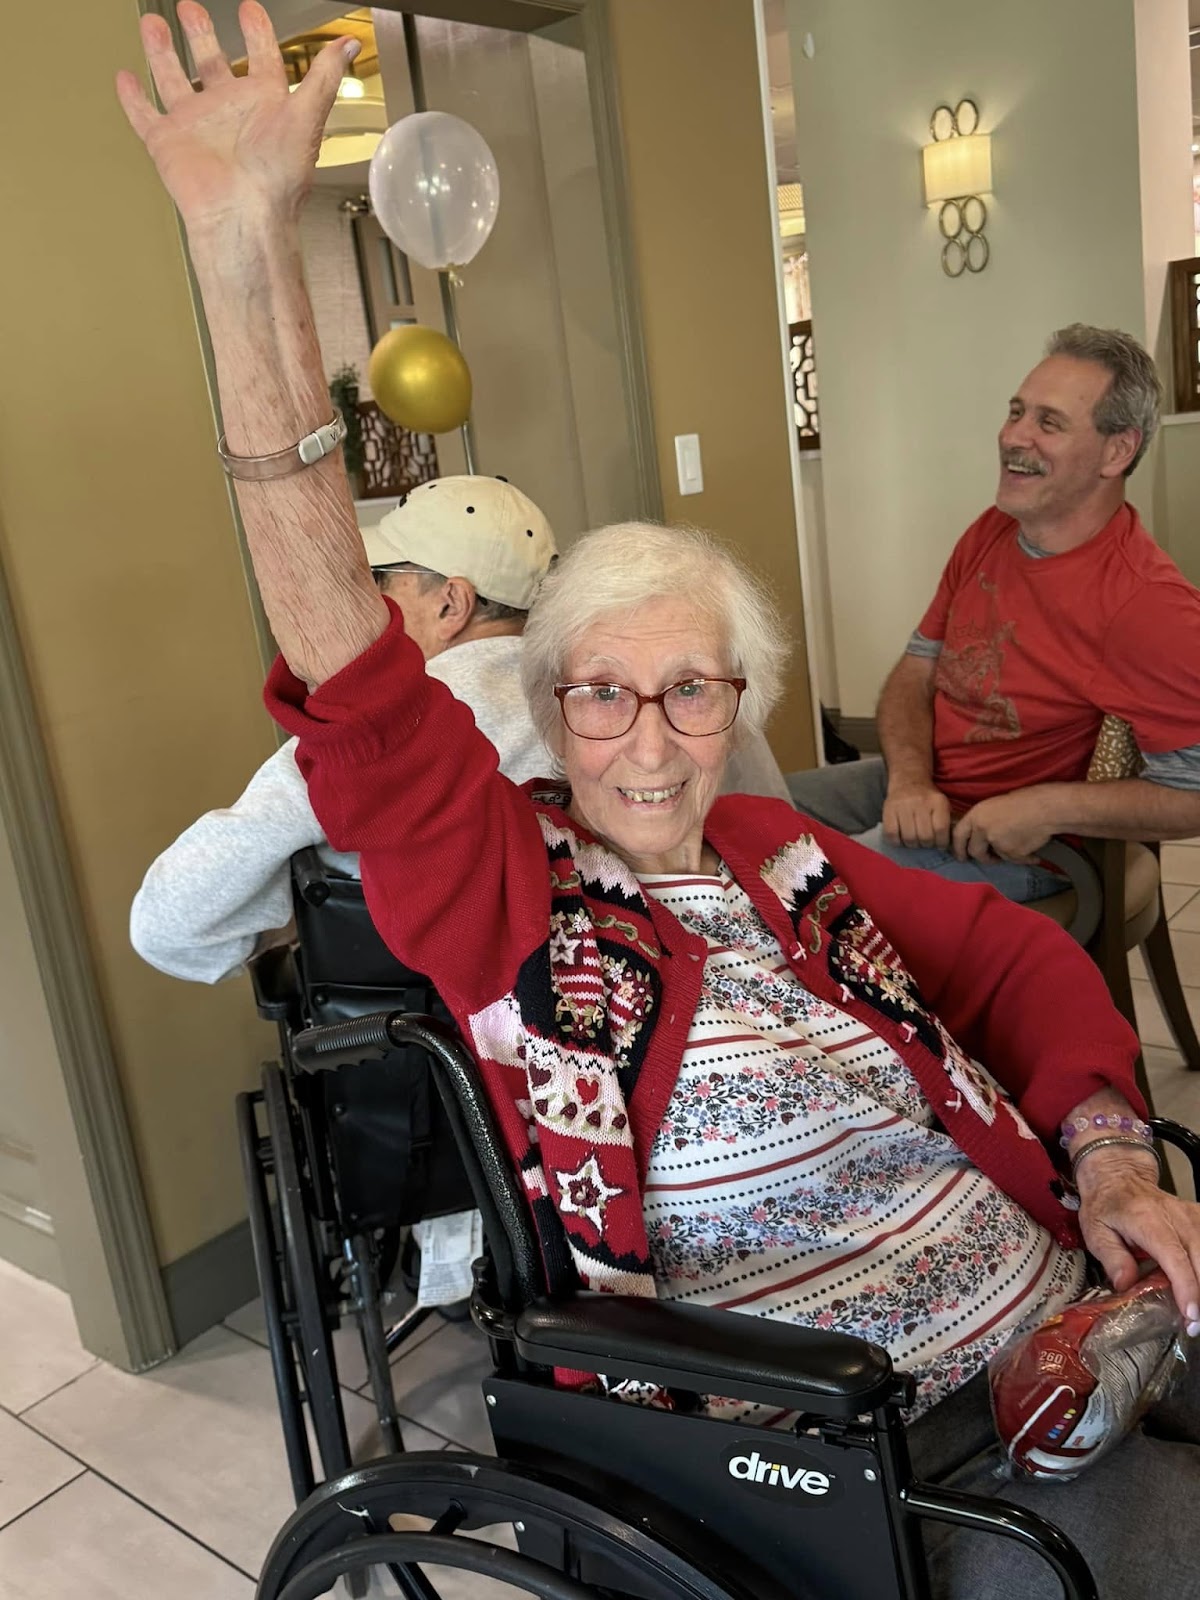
369 1038
339 1044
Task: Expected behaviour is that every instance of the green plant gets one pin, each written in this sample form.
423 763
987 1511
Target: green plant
343 391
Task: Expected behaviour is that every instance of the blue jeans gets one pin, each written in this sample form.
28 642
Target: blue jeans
850 797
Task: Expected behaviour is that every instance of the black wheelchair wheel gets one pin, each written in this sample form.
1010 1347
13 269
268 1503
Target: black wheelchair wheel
567 1545
307 1282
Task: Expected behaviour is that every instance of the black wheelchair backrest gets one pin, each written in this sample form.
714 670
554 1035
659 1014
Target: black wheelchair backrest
345 967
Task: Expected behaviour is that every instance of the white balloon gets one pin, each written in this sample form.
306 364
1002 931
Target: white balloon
435 188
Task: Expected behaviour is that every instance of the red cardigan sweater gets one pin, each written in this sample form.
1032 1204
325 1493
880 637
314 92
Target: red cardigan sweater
576 991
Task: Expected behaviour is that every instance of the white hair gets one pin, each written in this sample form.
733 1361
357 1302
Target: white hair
613 571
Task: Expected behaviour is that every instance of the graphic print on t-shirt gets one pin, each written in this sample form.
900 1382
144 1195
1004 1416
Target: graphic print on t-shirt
970 670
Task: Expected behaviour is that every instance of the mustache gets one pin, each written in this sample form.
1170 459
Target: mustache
1014 458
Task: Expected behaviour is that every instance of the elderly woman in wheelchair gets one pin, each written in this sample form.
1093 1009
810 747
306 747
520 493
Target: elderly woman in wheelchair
739 1064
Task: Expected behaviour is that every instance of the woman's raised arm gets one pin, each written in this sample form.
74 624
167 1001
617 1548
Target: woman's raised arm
237 159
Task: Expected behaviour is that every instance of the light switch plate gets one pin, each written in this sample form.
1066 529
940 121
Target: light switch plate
687 459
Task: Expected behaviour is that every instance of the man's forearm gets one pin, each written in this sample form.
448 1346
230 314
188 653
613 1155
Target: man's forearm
1131 808
304 540
905 723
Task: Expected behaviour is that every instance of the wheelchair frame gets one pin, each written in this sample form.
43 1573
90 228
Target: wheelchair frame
581 1478
323 1256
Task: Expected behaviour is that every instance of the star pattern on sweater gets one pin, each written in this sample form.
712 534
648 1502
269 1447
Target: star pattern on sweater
563 948
584 1193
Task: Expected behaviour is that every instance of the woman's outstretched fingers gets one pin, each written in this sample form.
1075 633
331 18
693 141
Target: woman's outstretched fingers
211 64
170 79
135 103
321 81
262 49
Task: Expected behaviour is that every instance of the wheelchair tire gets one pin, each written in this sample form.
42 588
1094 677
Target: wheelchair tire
268 1261
345 1527
306 1280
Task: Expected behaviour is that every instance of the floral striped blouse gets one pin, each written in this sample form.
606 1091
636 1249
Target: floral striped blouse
799 1173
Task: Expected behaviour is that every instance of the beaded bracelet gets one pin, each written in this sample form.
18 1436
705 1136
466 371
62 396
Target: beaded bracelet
1074 1126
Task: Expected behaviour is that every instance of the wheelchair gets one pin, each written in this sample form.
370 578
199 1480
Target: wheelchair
337 1166
612 1499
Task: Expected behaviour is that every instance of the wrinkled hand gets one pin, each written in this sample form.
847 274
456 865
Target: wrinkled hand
917 814
242 145
1122 1210
1008 827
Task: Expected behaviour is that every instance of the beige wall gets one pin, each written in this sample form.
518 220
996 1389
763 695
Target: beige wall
119 546
704 240
915 368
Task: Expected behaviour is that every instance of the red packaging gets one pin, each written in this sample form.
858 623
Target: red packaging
1065 1393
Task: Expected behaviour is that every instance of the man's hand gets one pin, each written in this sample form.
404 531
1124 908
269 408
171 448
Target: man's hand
243 146
1122 1210
1008 827
917 814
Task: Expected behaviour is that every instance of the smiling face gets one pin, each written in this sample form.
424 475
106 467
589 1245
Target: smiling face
1053 461
648 792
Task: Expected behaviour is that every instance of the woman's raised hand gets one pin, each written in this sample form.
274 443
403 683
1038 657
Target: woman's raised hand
242 145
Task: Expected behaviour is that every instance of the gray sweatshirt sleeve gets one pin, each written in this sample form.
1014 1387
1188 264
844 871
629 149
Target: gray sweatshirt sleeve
225 881
753 769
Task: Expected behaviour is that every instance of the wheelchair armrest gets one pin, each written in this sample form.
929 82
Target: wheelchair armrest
710 1351
277 987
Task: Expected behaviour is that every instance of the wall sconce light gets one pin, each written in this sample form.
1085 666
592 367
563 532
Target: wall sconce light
958 170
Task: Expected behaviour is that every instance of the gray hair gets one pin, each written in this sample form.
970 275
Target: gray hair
617 569
1134 395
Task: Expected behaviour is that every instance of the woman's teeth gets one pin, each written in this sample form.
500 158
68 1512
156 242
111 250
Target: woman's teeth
652 797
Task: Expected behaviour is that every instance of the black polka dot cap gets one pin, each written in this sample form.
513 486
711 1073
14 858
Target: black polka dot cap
482 529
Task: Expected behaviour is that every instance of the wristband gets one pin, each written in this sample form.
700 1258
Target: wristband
305 452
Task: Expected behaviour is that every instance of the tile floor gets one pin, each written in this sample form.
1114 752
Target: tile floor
173 1483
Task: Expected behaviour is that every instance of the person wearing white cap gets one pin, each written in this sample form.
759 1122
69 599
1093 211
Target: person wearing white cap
462 558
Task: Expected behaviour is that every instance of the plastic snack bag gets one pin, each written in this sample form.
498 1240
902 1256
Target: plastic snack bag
1066 1392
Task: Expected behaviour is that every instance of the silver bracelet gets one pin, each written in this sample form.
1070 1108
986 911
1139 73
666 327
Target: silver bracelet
1131 1141
306 452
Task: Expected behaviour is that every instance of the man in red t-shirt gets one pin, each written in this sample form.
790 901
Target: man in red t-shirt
1055 608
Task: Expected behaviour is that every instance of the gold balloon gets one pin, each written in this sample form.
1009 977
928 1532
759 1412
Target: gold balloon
420 380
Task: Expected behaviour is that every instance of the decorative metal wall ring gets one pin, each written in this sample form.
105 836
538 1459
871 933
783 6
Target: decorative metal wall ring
961 223
946 123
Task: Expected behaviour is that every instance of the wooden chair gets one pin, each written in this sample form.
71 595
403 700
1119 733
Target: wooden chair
1115 903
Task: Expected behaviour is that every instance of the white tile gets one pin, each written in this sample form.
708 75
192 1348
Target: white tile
89 1540
39 1343
1187 916
439 1384
198 1439
30 1469
1181 863
1186 948
1152 1025
1176 896
249 1321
